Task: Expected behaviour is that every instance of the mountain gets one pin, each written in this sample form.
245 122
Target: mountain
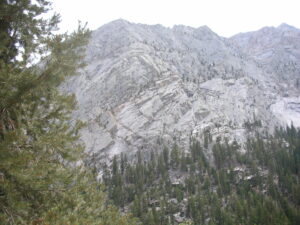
277 51
146 85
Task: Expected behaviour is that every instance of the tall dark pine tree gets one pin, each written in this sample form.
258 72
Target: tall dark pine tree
37 143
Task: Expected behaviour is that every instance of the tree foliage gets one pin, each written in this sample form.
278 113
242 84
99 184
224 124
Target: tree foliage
42 177
260 186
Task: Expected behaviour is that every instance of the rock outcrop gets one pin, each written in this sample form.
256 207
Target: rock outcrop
149 84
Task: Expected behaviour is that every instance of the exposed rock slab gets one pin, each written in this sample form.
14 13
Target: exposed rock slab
146 84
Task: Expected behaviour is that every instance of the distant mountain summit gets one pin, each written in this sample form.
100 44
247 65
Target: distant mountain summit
276 49
145 85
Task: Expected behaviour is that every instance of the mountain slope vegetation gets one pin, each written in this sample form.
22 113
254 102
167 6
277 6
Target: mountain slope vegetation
259 185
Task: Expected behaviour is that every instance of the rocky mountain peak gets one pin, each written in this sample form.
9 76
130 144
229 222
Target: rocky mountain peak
285 26
146 84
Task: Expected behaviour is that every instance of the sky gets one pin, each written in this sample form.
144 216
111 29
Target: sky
225 17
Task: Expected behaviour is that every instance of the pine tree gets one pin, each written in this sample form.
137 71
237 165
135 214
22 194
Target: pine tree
174 157
42 181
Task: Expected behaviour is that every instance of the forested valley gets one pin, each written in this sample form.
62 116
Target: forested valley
259 185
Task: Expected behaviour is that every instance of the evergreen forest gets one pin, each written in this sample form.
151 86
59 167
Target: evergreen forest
215 182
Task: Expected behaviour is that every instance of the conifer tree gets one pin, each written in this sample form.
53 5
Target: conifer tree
41 181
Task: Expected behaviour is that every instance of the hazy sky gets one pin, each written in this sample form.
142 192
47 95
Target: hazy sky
225 17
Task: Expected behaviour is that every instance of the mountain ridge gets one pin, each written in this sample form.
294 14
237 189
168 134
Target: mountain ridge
146 83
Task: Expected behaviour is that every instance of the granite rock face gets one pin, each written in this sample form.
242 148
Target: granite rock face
277 52
144 85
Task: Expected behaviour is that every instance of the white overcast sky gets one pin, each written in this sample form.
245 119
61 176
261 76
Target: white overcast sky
225 17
